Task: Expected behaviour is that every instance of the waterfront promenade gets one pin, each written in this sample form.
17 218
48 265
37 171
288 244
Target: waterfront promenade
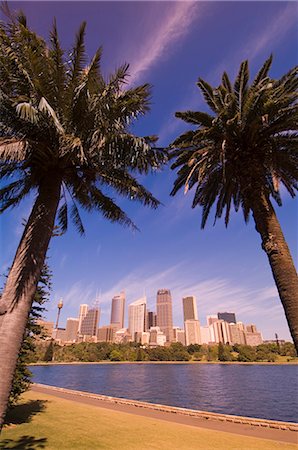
63 419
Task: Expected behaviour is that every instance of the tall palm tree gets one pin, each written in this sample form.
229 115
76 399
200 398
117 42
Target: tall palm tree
237 157
64 136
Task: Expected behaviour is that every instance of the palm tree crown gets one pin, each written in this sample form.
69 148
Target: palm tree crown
248 144
59 116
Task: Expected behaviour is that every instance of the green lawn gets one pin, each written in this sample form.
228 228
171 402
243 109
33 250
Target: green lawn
43 421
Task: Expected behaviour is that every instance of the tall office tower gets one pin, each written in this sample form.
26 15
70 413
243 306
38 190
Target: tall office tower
137 316
220 332
211 319
227 317
117 310
205 335
90 322
251 328
252 336
190 311
82 314
179 335
192 332
106 333
71 332
237 333
165 313
150 320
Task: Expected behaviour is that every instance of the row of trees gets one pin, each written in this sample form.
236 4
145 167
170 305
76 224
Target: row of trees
91 352
65 136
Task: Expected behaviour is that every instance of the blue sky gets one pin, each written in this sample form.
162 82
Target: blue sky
169 45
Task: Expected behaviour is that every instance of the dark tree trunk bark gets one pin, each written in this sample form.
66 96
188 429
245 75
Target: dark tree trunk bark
280 259
16 301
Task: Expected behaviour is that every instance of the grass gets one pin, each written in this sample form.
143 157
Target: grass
44 421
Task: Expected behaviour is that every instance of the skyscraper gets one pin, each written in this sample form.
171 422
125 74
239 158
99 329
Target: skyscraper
136 317
211 319
71 331
82 314
190 311
90 322
150 320
117 310
192 332
229 317
165 313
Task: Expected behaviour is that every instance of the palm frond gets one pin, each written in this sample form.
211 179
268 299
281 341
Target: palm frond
13 149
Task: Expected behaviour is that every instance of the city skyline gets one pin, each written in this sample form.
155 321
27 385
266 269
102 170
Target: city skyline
222 267
136 322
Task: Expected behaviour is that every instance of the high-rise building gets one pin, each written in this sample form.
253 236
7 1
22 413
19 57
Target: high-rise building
137 316
205 335
90 322
82 314
252 336
251 328
190 311
122 336
220 332
71 332
179 335
157 337
229 317
211 319
106 333
47 327
151 318
192 332
59 335
165 313
237 333
117 310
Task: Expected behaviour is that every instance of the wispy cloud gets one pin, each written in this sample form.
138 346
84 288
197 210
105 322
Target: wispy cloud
258 42
259 305
167 29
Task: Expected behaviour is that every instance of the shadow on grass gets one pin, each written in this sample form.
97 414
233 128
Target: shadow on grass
23 443
24 412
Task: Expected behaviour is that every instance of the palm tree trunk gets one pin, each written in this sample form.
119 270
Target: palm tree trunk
16 301
280 259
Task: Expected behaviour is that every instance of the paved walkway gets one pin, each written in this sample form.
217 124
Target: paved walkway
236 428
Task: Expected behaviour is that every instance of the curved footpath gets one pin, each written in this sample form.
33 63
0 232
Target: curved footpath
246 426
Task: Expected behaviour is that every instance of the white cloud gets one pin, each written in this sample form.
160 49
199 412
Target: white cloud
259 305
257 43
166 31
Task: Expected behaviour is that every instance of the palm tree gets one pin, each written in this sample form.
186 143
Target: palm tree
238 156
65 137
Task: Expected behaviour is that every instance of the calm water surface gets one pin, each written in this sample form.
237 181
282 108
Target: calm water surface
269 392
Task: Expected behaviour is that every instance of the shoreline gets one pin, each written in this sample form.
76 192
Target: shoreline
245 363
247 426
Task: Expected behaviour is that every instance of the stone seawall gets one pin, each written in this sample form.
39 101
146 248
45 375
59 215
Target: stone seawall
177 410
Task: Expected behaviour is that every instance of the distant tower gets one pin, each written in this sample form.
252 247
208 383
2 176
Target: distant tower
82 314
190 311
117 310
165 313
60 306
137 316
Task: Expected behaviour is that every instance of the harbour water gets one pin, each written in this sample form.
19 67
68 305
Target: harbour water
263 391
